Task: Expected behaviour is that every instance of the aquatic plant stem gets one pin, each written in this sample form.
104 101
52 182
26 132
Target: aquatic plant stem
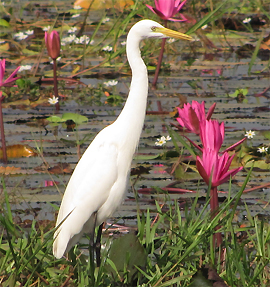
154 84
55 86
214 208
3 140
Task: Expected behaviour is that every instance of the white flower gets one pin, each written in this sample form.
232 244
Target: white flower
107 48
111 83
77 7
262 149
246 20
171 40
161 141
204 27
72 30
2 41
250 134
82 40
53 100
47 28
29 32
107 19
75 15
25 68
168 138
68 40
20 36
123 43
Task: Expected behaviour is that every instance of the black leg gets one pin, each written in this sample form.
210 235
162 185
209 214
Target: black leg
98 244
92 241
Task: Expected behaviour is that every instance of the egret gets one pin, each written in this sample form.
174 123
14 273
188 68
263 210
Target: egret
98 184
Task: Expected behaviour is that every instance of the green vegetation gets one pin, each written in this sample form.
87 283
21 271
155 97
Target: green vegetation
173 241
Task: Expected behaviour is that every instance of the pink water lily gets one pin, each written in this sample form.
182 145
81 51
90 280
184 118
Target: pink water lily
52 41
191 115
53 44
8 82
166 9
217 166
212 134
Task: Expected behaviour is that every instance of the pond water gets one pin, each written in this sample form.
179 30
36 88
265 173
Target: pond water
211 78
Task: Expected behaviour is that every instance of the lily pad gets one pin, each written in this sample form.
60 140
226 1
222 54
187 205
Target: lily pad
76 118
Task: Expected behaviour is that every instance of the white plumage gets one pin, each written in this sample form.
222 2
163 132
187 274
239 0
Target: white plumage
100 179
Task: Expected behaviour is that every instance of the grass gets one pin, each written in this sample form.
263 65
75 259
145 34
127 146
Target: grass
175 246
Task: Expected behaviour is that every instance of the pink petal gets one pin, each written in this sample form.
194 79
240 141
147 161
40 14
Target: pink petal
2 70
177 20
232 147
210 111
201 170
11 78
194 121
199 109
181 5
229 174
148 6
166 7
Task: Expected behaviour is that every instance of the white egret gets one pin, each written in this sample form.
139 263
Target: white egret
98 184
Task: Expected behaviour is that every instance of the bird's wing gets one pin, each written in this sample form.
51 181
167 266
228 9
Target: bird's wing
88 188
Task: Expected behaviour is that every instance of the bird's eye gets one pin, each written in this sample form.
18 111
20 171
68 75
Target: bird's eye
154 29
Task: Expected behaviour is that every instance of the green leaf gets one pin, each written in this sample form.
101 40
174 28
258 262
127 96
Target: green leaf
243 92
126 253
151 68
30 52
4 23
76 118
234 95
55 119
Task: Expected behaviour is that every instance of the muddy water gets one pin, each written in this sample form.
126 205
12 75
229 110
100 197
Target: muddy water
211 77
33 189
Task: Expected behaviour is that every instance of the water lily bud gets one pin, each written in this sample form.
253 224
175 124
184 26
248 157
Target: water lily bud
52 41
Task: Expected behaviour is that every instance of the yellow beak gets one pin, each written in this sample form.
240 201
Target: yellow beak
172 33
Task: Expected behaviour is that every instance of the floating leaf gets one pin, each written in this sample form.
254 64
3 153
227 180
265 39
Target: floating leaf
25 104
60 168
239 92
30 52
55 119
261 164
18 150
10 170
76 118
101 4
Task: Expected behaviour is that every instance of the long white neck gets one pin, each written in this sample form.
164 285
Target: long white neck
132 116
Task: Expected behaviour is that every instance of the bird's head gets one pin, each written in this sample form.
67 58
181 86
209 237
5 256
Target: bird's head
152 29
